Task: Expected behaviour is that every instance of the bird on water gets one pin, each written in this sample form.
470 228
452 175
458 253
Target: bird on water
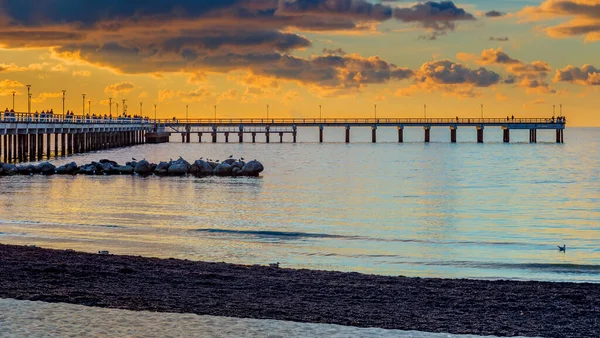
562 248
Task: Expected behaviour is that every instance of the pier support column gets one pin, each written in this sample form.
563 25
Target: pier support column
453 134
480 134
182 138
268 134
253 137
280 137
199 137
19 156
241 135
5 148
532 135
32 147
427 133
400 134
321 134
14 147
187 137
374 134
40 150
226 137
506 135
560 136
347 134
55 144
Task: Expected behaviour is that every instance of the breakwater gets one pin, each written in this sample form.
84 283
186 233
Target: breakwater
180 167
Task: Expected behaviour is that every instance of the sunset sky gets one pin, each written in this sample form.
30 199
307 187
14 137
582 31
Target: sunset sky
516 57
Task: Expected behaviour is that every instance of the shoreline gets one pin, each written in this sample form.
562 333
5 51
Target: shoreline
458 306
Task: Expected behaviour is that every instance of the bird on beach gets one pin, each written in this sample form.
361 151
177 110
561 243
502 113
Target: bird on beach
230 156
133 159
241 158
274 265
103 252
562 248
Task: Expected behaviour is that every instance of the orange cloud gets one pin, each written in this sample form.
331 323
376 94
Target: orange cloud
587 75
583 17
119 88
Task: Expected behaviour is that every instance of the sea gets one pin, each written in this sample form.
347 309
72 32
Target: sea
464 210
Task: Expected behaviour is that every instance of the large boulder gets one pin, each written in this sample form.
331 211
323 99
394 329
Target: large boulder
67 169
162 168
47 168
113 163
239 164
223 169
213 164
110 169
9 169
178 169
88 169
143 168
252 168
236 171
125 170
201 167
229 161
23 170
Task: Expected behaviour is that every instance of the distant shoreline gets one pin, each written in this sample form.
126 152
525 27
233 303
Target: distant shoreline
502 308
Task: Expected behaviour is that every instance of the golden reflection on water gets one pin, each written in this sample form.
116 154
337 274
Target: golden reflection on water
463 210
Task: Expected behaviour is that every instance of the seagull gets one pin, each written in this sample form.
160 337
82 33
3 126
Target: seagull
103 252
133 158
274 265
230 156
201 157
562 248
241 158
217 161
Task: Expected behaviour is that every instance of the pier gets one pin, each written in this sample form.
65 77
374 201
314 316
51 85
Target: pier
28 137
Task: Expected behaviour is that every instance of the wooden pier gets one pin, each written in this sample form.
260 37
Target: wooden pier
29 137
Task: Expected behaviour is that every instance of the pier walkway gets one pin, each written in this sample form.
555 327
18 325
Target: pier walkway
33 137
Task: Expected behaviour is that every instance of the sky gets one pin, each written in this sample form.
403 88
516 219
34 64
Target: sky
288 57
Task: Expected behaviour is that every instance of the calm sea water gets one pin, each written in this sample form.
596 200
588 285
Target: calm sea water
444 210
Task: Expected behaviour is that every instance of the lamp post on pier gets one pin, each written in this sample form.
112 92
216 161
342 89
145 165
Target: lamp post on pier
482 111
124 109
110 105
83 106
141 110
267 112
155 112
425 111
553 111
375 106
13 94
28 99
186 111
215 113
320 112
64 92
89 107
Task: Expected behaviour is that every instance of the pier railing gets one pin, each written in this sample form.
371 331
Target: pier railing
11 117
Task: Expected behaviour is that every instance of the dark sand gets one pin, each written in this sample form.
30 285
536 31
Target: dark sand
502 308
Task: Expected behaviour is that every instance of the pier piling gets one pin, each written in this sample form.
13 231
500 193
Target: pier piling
453 134
427 133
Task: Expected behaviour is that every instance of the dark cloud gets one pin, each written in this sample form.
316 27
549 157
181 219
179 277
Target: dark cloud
494 14
449 73
493 56
200 36
334 51
586 75
499 39
437 17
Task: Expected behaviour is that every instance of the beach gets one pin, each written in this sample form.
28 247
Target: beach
459 306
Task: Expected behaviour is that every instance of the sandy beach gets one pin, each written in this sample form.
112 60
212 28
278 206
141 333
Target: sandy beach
19 318
458 306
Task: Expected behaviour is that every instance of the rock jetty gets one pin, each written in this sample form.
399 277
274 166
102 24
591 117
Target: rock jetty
180 167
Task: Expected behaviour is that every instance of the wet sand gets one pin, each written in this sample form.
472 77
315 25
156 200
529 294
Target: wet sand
500 308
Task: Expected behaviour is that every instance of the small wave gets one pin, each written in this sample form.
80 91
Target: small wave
560 268
270 234
18 222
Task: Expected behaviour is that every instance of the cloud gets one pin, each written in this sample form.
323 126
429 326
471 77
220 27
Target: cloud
185 96
334 51
494 14
532 76
231 94
117 89
583 17
11 84
59 68
165 94
44 96
202 36
450 78
499 39
587 75
82 73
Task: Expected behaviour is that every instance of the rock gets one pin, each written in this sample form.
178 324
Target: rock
223 169
22 170
213 164
236 171
143 168
109 169
9 169
113 163
47 168
132 163
162 168
201 167
253 168
229 161
125 170
32 169
178 169
67 169
88 169
238 164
